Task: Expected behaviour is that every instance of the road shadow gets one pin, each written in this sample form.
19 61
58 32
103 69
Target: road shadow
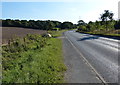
88 38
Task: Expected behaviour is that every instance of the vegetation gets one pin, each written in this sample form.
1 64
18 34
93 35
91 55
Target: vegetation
57 34
33 59
67 25
107 25
38 59
42 25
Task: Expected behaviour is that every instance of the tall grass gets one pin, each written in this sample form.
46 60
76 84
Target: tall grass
33 59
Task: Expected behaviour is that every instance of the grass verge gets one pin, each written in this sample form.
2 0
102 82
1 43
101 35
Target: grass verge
57 33
33 59
114 35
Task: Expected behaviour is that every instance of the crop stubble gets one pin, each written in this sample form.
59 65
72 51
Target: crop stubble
12 32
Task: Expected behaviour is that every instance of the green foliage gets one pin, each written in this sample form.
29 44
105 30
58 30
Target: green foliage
56 33
81 22
42 25
56 29
66 25
99 27
106 15
117 25
33 59
107 26
82 28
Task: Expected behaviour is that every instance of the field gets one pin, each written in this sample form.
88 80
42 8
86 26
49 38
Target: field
11 32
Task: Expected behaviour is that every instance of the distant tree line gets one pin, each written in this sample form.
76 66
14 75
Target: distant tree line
42 25
106 23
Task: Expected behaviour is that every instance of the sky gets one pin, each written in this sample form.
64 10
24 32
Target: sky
61 10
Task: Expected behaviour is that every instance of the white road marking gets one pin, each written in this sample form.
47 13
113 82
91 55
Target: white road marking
81 55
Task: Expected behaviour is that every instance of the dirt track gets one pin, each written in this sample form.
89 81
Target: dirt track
11 32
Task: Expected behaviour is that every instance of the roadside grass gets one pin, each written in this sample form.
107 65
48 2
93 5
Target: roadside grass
33 59
56 33
114 33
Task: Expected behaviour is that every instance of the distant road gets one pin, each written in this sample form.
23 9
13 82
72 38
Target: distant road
100 54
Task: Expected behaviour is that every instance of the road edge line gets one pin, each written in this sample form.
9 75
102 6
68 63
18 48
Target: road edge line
97 74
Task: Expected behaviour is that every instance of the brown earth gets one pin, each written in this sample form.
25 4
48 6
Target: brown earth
11 32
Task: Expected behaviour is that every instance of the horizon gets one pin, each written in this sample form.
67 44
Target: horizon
58 11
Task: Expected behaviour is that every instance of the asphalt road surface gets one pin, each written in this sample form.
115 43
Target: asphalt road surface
90 58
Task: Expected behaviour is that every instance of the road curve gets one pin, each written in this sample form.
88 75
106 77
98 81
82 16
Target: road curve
101 53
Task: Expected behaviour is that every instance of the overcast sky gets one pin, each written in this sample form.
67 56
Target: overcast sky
60 10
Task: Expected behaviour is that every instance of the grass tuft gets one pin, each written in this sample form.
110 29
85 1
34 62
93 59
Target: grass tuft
33 59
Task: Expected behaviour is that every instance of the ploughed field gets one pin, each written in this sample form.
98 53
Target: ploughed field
13 32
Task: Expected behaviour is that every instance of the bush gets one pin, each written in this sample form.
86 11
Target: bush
117 25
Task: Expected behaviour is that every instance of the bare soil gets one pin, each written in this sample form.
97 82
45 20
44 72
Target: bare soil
12 32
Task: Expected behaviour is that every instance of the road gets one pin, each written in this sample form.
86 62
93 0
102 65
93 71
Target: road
90 58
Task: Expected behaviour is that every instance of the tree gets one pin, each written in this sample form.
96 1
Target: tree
49 25
67 25
106 16
17 23
111 16
81 22
0 22
90 22
7 22
57 24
